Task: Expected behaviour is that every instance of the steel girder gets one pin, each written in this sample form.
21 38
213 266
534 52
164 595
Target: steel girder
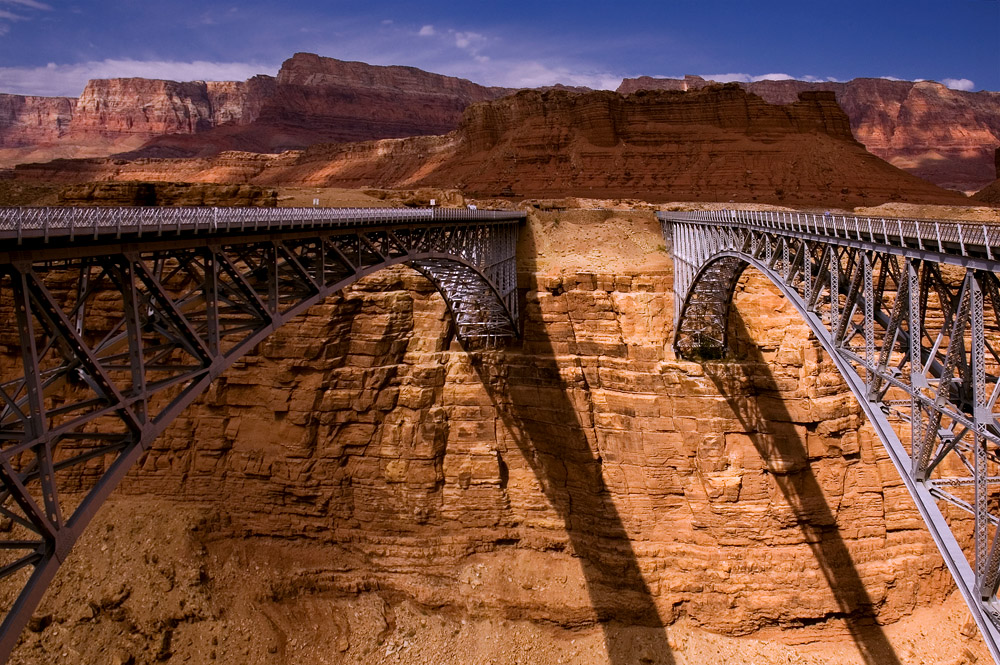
909 311
107 341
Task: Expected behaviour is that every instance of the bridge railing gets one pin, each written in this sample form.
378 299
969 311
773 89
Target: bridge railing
50 222
945 237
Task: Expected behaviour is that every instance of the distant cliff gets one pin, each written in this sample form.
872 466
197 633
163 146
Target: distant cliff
945 136
715 144
942 135
312 100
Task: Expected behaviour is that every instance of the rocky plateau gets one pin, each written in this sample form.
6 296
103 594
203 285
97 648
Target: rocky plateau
945 136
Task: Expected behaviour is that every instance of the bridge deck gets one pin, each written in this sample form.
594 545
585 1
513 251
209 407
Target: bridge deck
947 241
60 224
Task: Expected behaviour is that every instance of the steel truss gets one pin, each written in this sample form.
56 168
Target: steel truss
108 337
909 310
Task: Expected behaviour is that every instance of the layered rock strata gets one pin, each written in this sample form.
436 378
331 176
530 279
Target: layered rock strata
312 100
713 144
166 194
582 479
945 136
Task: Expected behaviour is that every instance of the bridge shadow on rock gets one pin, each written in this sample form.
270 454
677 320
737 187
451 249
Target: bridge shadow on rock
534 393
786 460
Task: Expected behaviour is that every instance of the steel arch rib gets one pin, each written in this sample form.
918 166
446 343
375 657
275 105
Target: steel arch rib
192 325
937 525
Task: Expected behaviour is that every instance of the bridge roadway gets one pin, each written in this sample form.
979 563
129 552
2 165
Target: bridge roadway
89 381
909 311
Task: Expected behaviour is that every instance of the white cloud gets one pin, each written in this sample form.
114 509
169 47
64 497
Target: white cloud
69 80
471 41
32 4
728 78
774 77
9 16
427 31
533 74
959 84
778 76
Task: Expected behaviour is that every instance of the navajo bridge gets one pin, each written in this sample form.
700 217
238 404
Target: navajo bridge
909 311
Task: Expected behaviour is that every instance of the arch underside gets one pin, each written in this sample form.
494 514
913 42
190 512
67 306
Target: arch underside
106 350
917 345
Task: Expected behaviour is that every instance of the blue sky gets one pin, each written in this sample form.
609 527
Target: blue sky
50 47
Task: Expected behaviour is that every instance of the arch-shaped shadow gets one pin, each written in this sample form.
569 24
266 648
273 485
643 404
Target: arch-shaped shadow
775 437
535 404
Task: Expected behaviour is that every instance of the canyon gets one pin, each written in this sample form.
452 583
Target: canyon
942 135
362 490
945 136
718 143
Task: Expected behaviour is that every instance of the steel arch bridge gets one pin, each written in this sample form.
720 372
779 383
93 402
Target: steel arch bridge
909 311
113 320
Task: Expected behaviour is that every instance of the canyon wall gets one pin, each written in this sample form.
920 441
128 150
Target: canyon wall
312 100
945 136
114 115
361 487
713 144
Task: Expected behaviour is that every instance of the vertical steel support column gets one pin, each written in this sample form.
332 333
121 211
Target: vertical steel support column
917 379
869 296
981 418
786 268
807 285
834 290
125 275
211 287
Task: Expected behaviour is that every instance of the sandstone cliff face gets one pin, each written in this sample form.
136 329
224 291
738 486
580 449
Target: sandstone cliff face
166 194
26 121
150 107
583 479
945 136
715 144
322 100
29 124
312 100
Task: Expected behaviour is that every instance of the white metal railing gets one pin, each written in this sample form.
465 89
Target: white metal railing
944 236
63 222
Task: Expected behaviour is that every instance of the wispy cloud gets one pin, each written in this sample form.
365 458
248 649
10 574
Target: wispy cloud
959 84
486 58
69 80
31 4
19 5
751 78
